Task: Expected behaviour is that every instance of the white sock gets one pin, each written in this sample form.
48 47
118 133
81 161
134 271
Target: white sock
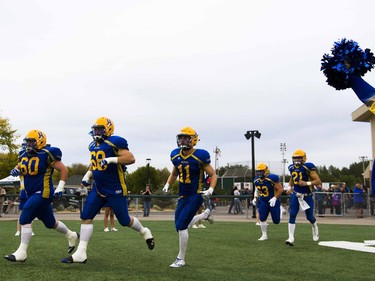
26 232
86 232
197 218
85 235
183 239
291 229
263 227
136 225
61 227
315 225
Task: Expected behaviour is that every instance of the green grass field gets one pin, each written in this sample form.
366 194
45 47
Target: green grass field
223 251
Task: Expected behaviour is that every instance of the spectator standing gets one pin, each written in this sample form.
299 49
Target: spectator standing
232 200
2 198
238 209
358 199
336 199
320 196
82 192
108 213
147 201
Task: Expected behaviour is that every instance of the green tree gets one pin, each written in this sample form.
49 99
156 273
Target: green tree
78 169
74 169
8 146
138 179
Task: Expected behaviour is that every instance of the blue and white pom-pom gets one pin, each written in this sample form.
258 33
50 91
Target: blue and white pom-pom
347 59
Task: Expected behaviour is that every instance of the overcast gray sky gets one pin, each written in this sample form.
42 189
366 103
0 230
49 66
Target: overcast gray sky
153 67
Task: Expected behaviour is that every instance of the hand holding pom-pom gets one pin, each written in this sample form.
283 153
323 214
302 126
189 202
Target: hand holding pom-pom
347 60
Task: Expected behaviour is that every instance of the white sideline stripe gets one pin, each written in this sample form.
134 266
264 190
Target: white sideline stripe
355 246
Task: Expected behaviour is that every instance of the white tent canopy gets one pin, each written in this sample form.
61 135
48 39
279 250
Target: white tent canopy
10 180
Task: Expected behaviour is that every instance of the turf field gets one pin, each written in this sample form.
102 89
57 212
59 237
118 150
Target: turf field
223 251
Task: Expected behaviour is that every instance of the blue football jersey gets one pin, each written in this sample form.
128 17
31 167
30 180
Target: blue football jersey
110 179
301 172
36 169
266 186
190 170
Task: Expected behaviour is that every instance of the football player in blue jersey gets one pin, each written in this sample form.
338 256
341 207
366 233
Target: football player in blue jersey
189 166
267 193
109 156
37 162
303 177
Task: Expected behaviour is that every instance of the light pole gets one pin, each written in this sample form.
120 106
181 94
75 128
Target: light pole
248 135
283 150
217 152
363 159
148 161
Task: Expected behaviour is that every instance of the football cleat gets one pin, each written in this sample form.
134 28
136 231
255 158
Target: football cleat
72 242
17 257
263 238
70 260
147 235
178 263
290 242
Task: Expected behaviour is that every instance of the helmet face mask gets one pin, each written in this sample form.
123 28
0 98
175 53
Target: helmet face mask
102 129
97 132
184 141
187 138
30 145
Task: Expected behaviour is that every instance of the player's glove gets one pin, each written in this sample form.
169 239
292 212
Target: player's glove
254 201
86 178
109 160
272 201
15 172
208 192
59 189
166 187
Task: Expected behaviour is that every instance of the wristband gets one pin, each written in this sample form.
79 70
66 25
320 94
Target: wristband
308 182
166 185
61 185
87 176
112 160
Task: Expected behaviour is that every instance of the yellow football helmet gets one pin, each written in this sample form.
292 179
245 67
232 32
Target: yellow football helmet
35 140
187 138
102 128
299 157
262 170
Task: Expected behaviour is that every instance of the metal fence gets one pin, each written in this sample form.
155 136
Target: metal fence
326 204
